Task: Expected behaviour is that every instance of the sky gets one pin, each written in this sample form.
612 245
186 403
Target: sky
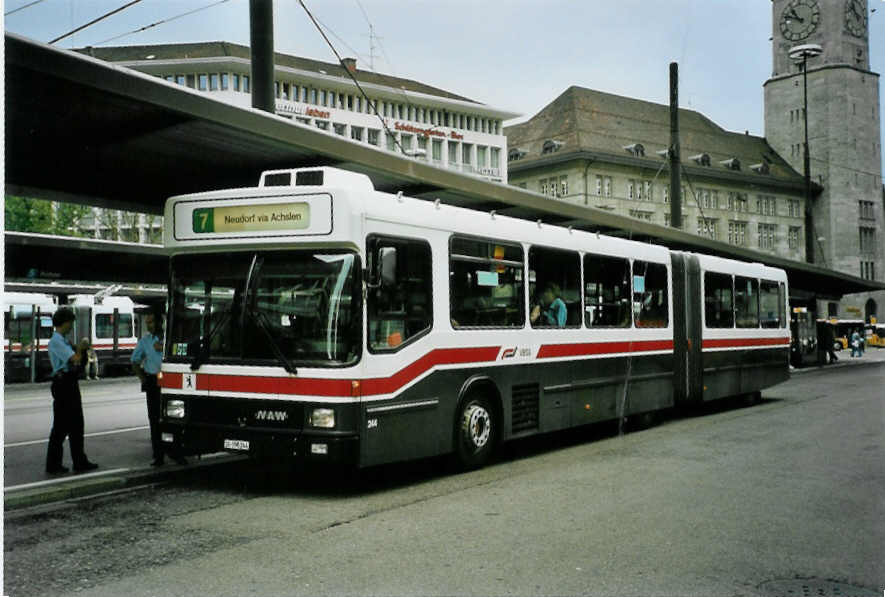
517 55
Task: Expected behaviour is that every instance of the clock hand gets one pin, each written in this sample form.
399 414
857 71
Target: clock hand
792 14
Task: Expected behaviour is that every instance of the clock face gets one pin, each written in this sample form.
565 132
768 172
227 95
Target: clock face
799 19
856 17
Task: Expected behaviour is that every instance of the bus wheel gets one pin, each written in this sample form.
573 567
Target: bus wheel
477 433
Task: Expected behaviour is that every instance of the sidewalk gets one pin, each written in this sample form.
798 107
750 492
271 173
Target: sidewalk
871 356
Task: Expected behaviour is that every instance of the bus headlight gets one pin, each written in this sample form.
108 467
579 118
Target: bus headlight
175 409
322 417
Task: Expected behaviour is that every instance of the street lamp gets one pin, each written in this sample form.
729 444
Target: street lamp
803 53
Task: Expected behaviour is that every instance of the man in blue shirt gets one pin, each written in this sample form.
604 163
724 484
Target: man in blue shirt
67 405
147 359
551 307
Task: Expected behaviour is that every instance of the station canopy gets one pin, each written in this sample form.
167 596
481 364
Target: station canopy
82 130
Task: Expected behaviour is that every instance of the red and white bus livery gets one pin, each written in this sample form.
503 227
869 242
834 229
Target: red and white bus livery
315 318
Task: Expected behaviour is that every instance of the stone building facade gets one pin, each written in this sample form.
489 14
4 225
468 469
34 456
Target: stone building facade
610 152
844 127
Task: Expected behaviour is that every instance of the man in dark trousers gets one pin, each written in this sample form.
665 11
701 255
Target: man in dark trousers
67 406
146 361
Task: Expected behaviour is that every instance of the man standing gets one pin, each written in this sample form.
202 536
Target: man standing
67 406
146 361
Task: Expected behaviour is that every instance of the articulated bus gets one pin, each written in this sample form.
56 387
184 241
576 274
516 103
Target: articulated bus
315 319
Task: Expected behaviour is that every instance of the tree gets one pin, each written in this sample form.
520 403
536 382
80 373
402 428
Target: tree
68 217
28 215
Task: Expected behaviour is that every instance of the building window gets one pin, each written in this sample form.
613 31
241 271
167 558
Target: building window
339 129
707 227
436 150
767 234
631 189
391 142
374 136
322 124
494 157
607 186
737 233
563 186
647 189
246 88
868 270
641 214
766 205
356 133
793 236
666 194
598 186
793 208
203 82
867 239
191 81
866 210
225 79
180 79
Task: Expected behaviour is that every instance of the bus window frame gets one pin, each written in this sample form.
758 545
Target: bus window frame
528 279
372 241
523 294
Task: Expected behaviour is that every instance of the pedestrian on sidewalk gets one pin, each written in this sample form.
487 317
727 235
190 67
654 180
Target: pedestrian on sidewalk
147 358
67 404
855 344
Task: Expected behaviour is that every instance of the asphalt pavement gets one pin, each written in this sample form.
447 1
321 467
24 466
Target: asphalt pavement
124 453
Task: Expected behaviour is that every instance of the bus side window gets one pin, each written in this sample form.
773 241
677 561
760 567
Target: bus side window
485 284
718 303
554 284
400 308
650 295
606 291
746 302
771 308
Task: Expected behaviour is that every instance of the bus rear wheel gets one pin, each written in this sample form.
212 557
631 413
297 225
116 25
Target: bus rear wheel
476 433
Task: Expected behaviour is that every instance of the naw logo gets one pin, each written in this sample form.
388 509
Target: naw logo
508 353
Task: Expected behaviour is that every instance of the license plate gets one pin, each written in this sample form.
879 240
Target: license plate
236 444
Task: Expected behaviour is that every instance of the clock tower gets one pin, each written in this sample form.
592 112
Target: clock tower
843 127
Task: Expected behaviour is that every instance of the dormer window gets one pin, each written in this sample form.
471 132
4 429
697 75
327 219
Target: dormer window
635 149
760 168
701 159
731 163
515 154
551 146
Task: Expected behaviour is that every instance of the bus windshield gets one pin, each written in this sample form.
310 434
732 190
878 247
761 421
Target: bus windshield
279 308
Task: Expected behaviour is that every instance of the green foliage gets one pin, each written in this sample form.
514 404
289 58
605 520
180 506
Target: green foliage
28 215
37 215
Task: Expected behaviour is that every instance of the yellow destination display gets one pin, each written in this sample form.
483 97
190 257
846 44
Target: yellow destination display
251 218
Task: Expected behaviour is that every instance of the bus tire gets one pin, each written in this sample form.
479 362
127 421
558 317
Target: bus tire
476 432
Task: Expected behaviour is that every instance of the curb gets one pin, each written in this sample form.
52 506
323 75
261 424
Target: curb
841 364
76 488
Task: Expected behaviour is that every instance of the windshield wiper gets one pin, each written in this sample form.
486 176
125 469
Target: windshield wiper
203 351
263 323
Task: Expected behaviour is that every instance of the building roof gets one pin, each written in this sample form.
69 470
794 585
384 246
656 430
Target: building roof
594 121
216 49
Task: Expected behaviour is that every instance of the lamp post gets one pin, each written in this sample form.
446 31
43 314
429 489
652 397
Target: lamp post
803 53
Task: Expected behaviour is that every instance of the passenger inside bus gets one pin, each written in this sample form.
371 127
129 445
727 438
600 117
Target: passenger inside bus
549 309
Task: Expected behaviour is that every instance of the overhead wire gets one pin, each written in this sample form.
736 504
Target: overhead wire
160 22
94 21
369 102
30 4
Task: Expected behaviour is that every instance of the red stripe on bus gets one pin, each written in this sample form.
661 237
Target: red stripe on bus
548 351
744 342
335 387
434 358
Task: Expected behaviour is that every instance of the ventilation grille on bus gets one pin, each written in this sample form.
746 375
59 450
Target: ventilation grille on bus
525 407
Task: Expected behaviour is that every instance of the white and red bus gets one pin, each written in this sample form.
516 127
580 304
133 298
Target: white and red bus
109 323
27 328
314 318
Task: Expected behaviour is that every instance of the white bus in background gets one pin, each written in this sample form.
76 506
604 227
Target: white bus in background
109 324
19 346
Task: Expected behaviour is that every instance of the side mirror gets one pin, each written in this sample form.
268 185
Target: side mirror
387 265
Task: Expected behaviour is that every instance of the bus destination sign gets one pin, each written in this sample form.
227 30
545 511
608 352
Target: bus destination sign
252 218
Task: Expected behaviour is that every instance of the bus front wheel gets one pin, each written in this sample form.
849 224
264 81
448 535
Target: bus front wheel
477 432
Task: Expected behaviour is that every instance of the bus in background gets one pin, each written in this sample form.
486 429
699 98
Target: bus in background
875 334
109 324
25 338
313 318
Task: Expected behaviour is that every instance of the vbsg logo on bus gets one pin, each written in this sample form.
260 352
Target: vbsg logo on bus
252 218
